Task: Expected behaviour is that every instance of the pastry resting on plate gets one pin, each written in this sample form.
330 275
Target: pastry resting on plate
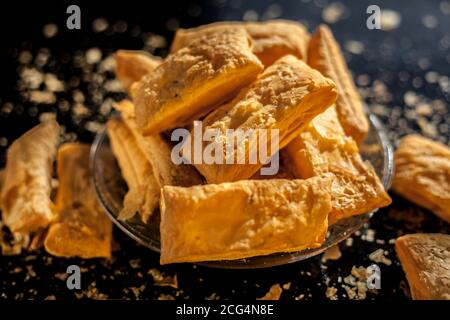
143 189
191 82
286 96
271 39
324 55
324 148
158 152
25 198
243 219
425 258
81 227
131 66
422 174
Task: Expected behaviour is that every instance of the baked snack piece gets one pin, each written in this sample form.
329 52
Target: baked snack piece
2 181
26 204
286 96
132 65
271 39
425 258
81 228
324 54
324 148
243 219
143 189
191 82
422 174
158 152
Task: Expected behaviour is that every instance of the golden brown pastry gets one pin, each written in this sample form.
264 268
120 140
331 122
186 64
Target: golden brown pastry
425 258
132 65
143 189
2 181
271 39
324 148
81 229
192 81
422 174
243 219
285 97
324 54
158 152
26 204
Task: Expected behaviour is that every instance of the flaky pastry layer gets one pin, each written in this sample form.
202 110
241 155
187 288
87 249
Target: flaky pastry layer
324 54
81 228
285 97
26 204
191 82
243 219
271 39
422 174
425 258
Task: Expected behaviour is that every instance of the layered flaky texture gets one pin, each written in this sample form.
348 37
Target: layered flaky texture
131 66
324 54
26 204
425 258
190 82
285 97
422 174
324 148
81 228
158 152
243 219
271 39
143 189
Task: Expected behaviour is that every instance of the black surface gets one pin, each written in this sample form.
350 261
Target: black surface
399 60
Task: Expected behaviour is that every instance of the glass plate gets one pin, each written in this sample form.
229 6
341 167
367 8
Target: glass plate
111 188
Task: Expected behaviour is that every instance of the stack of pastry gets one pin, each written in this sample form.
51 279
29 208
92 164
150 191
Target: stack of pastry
244 76
73 224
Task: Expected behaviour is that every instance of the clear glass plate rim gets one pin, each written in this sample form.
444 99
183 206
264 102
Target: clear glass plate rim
386 179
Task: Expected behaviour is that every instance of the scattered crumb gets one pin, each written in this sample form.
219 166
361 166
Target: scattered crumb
353 46
274 293
333 12
332 253
50 30
378 256
162 280
349 242
390 19
331 293
42 97
166 297
93 55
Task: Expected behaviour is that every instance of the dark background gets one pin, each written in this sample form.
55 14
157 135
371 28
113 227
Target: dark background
411 59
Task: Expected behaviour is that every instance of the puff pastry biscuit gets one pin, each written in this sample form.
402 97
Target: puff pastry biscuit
81 229
425 258
286 97
158 152
192 81
132 65
422 174
243 219
324 148
26 204
324 54
143 189
271 39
